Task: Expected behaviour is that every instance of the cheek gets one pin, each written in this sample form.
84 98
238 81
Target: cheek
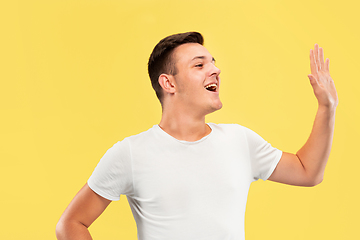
191 83
196 79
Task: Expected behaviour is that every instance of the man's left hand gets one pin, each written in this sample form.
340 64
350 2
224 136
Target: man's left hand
320 79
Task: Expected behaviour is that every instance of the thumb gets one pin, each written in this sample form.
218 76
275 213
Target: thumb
313 80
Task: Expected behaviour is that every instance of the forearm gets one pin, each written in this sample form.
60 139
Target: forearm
315 153
67 230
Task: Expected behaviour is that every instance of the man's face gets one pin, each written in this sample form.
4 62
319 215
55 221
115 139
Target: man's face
197 79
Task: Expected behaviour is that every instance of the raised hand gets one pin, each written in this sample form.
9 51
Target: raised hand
320 79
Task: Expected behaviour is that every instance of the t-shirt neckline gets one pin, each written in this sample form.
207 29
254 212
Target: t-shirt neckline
159 129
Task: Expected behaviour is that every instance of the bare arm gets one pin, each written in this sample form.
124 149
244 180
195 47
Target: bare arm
307 167
80 214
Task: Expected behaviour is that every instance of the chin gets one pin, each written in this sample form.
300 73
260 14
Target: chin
216 107
219 107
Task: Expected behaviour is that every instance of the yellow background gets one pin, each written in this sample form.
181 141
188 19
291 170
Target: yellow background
74 81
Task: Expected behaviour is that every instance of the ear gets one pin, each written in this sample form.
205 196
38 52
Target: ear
167 83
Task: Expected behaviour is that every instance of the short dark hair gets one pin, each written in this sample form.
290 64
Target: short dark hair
161 60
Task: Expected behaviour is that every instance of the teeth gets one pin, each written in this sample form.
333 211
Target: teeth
210 85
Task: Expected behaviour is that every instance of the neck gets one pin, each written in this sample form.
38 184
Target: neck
184 126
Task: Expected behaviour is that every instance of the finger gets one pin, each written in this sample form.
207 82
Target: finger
321 56
313 81
316 50
327 65
313 66
315 84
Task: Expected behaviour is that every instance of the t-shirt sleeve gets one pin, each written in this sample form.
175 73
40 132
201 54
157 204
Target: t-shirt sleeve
113 174
264 157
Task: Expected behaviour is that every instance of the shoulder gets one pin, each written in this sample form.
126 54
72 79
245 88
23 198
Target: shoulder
142 135
228 127
235 131
123 146
145 140
229 132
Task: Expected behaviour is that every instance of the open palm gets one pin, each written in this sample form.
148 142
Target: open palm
320 79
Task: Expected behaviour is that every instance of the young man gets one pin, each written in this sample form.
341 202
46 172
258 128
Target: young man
185 179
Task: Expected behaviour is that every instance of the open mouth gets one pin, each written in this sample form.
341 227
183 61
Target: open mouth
211 87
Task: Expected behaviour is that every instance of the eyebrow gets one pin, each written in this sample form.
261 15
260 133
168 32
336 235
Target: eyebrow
203 57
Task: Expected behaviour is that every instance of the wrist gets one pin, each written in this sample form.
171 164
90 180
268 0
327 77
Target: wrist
329 104
327 110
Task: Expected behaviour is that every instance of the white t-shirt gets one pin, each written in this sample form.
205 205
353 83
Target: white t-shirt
180 190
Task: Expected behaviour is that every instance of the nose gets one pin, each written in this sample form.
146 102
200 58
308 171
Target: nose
215 71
